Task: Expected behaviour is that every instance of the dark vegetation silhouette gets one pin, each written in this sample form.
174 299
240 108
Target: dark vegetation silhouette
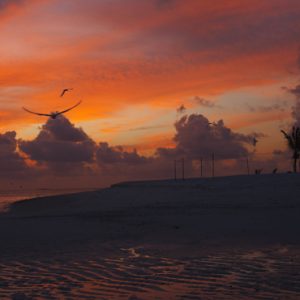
254 142
293 140
257 171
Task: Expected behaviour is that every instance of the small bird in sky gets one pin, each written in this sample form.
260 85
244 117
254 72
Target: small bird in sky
64 91
52 115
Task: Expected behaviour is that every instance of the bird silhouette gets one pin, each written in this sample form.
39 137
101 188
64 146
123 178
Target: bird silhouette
52 115
64 91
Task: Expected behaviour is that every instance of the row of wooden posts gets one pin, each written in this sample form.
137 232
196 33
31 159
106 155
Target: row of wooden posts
181 162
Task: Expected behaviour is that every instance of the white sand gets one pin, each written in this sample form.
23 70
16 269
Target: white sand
222 238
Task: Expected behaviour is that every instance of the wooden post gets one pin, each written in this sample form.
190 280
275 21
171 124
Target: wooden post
247 162
201 167
175 171
182 168
213 165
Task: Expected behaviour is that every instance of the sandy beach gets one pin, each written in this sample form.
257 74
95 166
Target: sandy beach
218 238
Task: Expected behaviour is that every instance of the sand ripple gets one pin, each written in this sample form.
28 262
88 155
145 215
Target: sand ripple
140 274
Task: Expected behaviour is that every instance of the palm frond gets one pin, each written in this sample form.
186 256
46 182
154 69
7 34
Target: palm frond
290 140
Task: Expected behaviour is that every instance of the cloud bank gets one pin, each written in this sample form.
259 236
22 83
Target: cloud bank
115 155
10 160
296 108
203 102
197 138
62 149
59 141
65 151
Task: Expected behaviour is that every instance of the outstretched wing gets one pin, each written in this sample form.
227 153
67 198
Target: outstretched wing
35 113
64 91
64 111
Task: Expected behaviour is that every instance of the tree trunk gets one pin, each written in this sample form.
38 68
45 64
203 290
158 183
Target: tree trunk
295 162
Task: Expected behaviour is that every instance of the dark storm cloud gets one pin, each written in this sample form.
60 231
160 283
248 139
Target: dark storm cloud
197 138
63 130
162 4
233 29
10 160
296 91
265 109
168 153
113 155
67 150
59 141
203 102
5 3
296 113
61 149
296 107
181 109
8 142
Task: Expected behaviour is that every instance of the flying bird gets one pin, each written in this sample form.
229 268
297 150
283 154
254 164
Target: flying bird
52 115
64 91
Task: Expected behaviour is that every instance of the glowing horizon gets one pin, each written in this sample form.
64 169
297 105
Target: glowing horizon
134 63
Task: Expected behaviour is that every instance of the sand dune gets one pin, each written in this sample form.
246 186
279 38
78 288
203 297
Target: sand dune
221 238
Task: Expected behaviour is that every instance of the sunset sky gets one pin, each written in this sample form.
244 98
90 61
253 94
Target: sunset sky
141 65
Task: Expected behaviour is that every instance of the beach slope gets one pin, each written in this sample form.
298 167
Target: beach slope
148 225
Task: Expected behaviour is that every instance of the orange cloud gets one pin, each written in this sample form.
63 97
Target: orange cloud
247 120
117 55
149 144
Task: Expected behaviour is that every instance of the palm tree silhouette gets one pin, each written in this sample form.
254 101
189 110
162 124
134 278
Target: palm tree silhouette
293 140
